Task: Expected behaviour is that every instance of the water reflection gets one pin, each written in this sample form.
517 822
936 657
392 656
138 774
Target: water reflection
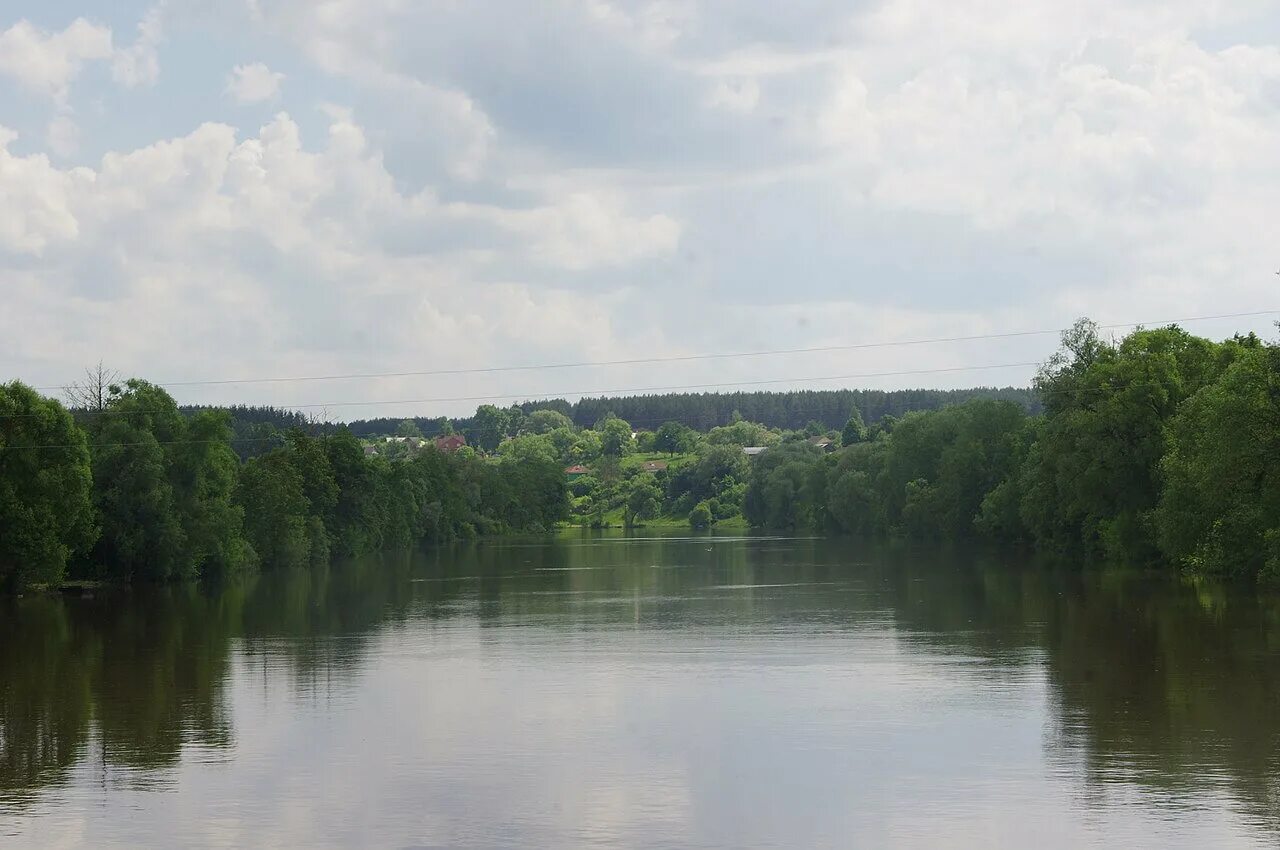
641 692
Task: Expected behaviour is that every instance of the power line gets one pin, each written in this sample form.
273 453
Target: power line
683 358
1077 392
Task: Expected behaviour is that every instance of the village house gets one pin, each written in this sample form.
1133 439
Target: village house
573 473
450 443
824 443
752 451
654 466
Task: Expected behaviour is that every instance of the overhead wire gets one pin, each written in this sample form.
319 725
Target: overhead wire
1077 392
682 358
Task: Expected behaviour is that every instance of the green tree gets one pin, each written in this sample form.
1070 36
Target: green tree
488 427
644 499
855 430
1220 509
615 438
408 428
1094 476
46 510
358 518
544 421
742 433
276 510
587 447
674 438
142 514
529 446
204 469
700 517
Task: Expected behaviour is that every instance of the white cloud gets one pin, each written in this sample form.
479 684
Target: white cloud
47 62
736 95
208 238
63 135
253 83
856 171
35 204
139 64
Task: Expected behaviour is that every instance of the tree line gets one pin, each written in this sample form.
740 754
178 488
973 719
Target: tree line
1162 447
789 410
133 489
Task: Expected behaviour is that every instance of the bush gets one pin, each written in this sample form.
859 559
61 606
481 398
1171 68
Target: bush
700 517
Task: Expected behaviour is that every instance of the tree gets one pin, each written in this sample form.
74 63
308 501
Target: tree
718 468
357 516
276 510
408 428
1220 509
46 509
529 446
544 421
94 391
1093 479
700 517
643 499
742 433
143 537
488 427
855 430
674 438
615 438
587 447
204 470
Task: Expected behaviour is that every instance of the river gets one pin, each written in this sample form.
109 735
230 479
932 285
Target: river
604 691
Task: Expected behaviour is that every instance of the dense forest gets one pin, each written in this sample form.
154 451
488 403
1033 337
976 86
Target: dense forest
793 409
1164 447
1160 448
134 489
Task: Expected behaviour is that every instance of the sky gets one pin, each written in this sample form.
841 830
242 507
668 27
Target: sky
222 190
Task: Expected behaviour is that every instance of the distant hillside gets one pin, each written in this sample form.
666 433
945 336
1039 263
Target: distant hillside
792 409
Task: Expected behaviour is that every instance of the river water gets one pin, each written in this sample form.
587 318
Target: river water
600 691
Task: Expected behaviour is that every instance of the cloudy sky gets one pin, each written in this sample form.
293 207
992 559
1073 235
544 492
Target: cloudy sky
200 190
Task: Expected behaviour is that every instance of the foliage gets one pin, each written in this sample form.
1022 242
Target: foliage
742 433
543 421
1220 509
674 438
855 430
643 499
615 438
488 427
408 428
163 488
46 510
1159 446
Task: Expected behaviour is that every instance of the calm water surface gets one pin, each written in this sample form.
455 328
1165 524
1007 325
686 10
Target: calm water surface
606 692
